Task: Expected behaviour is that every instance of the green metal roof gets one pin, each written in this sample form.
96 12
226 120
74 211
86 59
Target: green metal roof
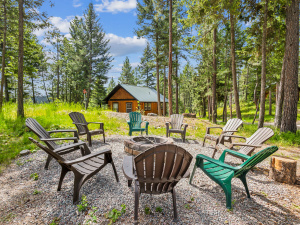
142 94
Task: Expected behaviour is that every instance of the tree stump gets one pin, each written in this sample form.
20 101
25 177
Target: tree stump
283 169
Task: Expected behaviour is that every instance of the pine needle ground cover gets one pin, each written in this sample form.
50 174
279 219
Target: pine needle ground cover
53 116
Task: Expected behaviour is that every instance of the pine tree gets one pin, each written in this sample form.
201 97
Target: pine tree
111 85
98 58
127 76
146 67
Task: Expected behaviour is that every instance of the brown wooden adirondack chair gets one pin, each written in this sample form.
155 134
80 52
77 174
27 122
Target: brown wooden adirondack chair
255 141
82 127
157 171
44 136
231 126
83 168
176 125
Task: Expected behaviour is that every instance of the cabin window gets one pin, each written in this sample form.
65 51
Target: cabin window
128 107
116 106
147 106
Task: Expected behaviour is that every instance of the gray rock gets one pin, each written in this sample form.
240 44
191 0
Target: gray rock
151 114
24 152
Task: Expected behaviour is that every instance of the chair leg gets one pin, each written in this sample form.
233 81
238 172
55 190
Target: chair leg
63 173
183 137
49 158
174 205
244 181
213 155
227 190
203 141
193 173
103 137
147 131
89 139
77 185
115 171
129 183
136 204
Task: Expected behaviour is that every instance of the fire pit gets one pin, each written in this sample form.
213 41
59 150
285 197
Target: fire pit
138 145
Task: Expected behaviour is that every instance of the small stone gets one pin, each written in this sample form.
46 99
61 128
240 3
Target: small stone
24 152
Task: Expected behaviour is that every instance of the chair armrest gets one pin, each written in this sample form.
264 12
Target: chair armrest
82 159
60 139
82 124
229 135
232 152
70 146
208 129
248 145
225 131
65 131
207 158
95 122
128 168
57 131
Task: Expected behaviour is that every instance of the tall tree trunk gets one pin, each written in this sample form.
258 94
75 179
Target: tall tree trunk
6 89
204 107
3 54
20 111
224 119
230 102
233 67
280 95
263 69
44 84
176 85
246 84
32 86
291 92
57 87
170 60
270 102
214 79
157 76
164 104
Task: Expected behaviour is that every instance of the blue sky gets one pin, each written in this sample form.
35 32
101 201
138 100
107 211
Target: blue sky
118 19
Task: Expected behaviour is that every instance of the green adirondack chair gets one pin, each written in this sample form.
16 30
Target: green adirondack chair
223 173
135 121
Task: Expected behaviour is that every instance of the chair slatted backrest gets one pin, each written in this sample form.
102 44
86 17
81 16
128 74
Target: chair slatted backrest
47 150
232 124
78 117
161 167
255 159
176 121
259 137
136 119
36 128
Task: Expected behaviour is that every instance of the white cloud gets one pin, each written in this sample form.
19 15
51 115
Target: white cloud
121 46
62 24
116 70
133 65
76 3
115 6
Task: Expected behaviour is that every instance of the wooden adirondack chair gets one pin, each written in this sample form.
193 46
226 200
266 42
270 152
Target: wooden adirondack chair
44 136
82 126
176 125
135 121
223 173
231 126
157 171
255 141
83 168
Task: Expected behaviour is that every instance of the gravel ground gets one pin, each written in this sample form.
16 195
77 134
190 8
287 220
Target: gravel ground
271 202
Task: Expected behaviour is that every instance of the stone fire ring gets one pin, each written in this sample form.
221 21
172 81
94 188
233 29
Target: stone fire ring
137 145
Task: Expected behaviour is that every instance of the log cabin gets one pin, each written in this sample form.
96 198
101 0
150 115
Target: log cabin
129 98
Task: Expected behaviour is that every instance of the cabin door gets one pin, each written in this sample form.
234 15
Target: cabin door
128 107
116 106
